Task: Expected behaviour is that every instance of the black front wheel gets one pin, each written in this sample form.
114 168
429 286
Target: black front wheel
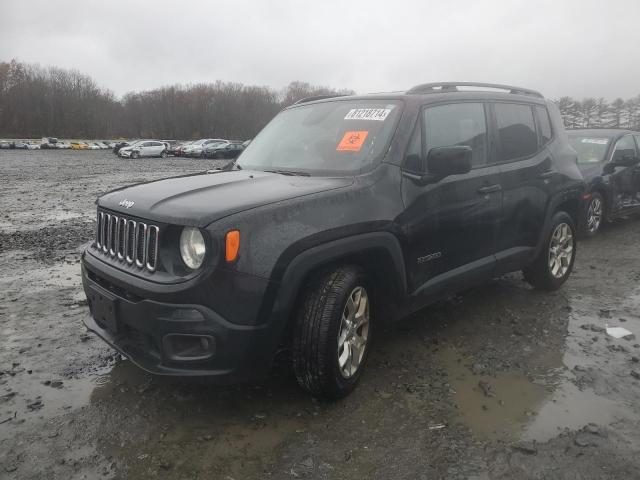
332 333
554 263
134 155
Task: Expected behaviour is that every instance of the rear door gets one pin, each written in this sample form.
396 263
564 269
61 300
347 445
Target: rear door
522 131
158 147
451 225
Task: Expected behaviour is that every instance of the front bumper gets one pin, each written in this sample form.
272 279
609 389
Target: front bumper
151 332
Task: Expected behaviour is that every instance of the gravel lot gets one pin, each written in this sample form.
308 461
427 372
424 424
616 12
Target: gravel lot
498 382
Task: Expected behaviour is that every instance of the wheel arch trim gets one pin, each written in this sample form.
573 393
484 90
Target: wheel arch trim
282 293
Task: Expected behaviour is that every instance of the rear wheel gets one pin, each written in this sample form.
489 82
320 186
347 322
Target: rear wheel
594 215
163 154
332 333
554 263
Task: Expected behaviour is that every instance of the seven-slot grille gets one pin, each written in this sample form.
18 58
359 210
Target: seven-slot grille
128 240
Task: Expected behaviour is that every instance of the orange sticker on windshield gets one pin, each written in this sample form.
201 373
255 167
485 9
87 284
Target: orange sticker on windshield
352 141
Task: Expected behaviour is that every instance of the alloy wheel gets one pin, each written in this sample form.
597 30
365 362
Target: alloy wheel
594 215
560 250
354 332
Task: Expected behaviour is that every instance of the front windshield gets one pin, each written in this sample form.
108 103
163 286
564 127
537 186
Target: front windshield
591 149
337 137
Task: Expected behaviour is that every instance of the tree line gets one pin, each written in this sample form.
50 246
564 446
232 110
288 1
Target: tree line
599 113
37 101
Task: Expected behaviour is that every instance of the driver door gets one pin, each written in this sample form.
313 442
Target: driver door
624 178
144 149
451 224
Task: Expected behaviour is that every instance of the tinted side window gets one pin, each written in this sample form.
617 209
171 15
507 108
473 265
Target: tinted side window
459 124
638 141
625 146
544 124
516 131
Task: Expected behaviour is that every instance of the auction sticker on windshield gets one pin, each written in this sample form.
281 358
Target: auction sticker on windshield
352 141
378 114
597 141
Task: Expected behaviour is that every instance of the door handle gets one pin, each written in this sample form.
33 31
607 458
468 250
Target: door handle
490 189
547 174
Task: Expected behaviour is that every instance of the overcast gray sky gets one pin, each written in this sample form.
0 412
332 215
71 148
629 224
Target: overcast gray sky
563 47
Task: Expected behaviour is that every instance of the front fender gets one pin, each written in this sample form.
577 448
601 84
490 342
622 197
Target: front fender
292 271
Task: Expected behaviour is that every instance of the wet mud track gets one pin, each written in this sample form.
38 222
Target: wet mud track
498 382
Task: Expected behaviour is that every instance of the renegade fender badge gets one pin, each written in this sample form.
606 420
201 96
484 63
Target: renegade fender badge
428 258
126 203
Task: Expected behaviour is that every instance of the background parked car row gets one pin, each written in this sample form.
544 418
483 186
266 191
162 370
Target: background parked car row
203 148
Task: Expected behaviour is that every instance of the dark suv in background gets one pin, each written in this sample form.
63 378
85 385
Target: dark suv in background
610 163
342 213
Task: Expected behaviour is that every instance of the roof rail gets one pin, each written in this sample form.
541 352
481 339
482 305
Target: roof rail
448 87
318 97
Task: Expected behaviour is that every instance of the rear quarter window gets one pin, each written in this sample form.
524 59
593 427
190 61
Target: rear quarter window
544 125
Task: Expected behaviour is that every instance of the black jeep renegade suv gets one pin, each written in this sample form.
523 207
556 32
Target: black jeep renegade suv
342 213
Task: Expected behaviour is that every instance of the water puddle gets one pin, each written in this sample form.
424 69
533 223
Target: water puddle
510 405
30 221
32 276
548 398
231 429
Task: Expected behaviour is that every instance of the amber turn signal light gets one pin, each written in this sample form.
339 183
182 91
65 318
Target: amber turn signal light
232 245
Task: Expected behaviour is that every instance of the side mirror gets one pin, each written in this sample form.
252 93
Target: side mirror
445 161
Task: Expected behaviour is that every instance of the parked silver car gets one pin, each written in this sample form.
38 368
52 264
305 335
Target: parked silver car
197 148
144 148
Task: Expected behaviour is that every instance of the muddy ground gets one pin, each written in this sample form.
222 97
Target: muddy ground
499 382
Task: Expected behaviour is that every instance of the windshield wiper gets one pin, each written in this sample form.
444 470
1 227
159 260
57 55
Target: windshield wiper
290 172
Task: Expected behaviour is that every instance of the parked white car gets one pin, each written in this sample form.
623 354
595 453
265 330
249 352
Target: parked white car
33 146
63 145
144 148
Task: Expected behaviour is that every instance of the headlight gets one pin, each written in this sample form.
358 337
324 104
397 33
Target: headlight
192 247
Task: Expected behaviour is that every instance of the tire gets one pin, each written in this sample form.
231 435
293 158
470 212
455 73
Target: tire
134 155
320 326
163 154
549 274
593 215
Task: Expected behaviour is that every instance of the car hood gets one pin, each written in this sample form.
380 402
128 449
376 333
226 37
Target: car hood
200 199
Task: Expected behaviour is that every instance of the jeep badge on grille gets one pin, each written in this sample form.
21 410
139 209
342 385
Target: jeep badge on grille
126 203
